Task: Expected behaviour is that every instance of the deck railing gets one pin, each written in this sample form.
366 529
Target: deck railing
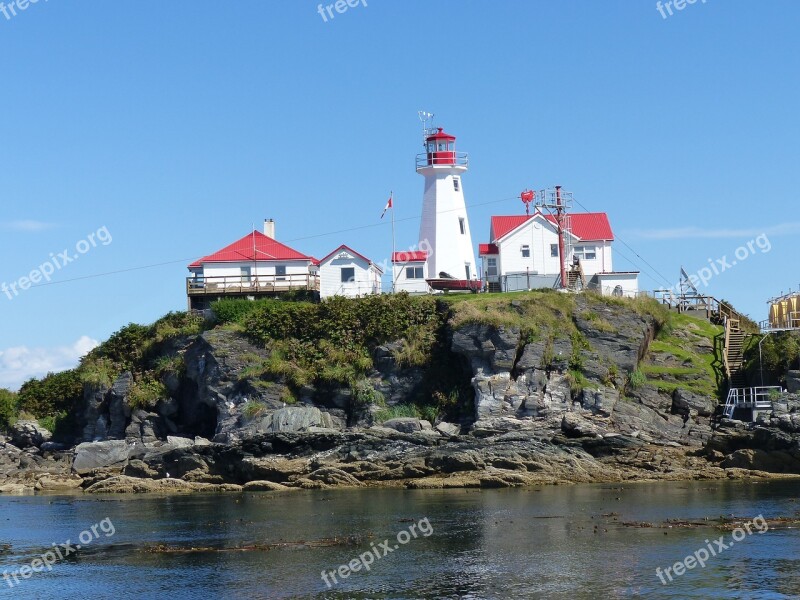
756 398
263 284
786 322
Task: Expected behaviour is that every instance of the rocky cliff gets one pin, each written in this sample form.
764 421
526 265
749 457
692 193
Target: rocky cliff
498 390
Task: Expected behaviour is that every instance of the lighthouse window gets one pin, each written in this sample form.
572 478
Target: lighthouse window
431 147
462 225
441 147
348 274
450 146
526 251
414 273
456 186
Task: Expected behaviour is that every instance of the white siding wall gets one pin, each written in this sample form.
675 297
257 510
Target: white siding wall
539 235
601 263
628 281
367 279
293 267
412 286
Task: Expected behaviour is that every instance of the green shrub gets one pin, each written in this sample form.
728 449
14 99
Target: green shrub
396 412
98 371
146 392
232 310
8 408
637 379
365 395
56 393
253 409
174 364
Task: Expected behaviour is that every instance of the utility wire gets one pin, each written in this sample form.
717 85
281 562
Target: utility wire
619 239
307 237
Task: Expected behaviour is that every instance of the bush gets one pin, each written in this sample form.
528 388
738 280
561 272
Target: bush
637 379
146 392
56 393
8 408
253 409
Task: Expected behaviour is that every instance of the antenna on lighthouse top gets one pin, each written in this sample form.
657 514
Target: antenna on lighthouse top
425 116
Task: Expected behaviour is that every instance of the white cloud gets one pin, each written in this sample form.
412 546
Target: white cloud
20 363
27 225
702 232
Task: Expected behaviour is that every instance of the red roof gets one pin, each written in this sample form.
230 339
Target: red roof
484 249
409 256
255 246
586 226
440 135
351 251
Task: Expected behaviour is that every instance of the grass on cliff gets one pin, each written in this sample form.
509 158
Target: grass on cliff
697 368
533 313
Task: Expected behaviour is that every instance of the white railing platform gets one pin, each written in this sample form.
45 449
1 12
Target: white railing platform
755 398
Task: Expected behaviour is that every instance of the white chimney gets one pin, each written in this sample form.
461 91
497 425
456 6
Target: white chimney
269 228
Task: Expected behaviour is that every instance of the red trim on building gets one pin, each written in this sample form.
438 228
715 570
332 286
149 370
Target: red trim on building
411 256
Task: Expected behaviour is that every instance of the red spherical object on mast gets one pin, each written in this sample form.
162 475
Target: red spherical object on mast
527 197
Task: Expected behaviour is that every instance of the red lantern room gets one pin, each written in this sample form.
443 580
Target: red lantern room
441 148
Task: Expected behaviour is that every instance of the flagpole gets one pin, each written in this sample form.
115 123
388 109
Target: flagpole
391 198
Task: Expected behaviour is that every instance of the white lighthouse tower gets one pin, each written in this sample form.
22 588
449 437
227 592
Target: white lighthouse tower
445 225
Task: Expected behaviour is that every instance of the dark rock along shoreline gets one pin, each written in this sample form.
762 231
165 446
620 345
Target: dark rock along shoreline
528 425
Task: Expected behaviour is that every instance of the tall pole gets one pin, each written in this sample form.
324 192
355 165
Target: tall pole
391 200
560 221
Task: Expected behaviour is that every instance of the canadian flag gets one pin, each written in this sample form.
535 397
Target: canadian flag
388 205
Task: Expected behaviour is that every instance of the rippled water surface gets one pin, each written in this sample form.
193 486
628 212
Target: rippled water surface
551 542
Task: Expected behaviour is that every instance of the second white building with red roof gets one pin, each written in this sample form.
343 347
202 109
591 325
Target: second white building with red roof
523 253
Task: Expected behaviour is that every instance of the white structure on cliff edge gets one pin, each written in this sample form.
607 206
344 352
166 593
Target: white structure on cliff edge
444 230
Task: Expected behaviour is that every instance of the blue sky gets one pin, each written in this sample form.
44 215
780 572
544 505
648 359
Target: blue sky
177 125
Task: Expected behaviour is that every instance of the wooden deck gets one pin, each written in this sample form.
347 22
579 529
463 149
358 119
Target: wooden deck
243 286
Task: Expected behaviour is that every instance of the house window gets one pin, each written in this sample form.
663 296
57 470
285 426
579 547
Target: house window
456 183
585 252
414 273
491 267
526 251
554 250
280 272
348 274
245 273
462 225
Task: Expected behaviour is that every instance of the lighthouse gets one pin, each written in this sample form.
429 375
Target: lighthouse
445 226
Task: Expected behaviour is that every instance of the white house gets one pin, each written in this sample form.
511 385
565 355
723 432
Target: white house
255 265
523 253
345 272
409 272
